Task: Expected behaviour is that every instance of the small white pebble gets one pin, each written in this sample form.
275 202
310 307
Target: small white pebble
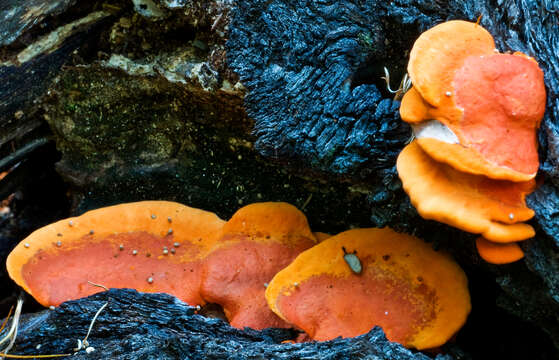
173 251
386 313
70 223
59 243
295 284
51 307
198 308
89 349
121 247
150 280
26 245
448 93
153 216
169 232
511 216
165 251
265 285
38 347
134 252
176 244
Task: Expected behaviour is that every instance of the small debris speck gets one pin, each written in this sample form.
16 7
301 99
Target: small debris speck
134 252
26 245
511 216
296 284
59 243
165 251
169 219
51 307
91 232
176 244
70 223
169 232
265 285
150 280
89 349
448 93
153 216
173 251
121 247
148 254
59 234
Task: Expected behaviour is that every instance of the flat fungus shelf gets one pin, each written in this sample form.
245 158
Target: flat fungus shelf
417 295
151 246
264 267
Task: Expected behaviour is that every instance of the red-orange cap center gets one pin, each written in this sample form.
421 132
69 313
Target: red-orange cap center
235 277
326 306
62 273
503 99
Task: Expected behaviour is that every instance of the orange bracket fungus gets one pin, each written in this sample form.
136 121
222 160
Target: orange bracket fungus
496 253
417 295
257 242
472 107
474 112
150 246
472 203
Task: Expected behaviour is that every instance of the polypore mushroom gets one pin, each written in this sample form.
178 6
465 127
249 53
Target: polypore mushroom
418 296
258 241
472 108
496 253
151 246
473 203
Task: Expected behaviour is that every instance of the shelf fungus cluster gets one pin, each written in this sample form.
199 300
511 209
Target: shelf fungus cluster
264 266
475 113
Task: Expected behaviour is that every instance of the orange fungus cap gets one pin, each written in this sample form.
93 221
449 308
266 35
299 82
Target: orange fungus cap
491 103
150 246
473 203
258 241
417 295
497 253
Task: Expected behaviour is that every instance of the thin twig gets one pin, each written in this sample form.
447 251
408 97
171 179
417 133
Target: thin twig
7 318
12 334
22 153
98 285
83 344
14 356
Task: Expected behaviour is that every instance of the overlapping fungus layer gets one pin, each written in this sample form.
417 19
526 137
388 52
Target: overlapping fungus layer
343 286
258 241
475 113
